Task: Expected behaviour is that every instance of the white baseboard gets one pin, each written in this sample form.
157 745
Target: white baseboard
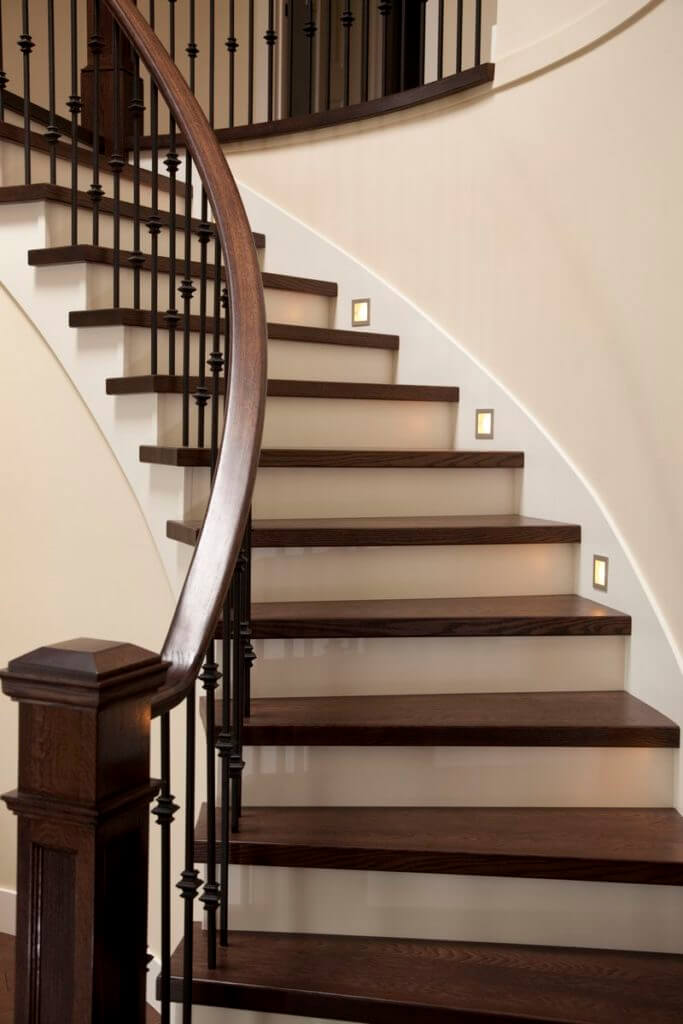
8 908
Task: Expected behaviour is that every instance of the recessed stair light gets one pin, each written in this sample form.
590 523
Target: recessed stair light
600 571
360 313
483 428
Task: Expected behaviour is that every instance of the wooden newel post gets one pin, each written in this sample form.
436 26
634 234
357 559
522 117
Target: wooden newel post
103 40
83 809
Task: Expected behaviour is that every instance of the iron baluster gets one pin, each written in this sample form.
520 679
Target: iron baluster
96 192
52 135
231 46
116 164
26 46
210 677
189 884
154 220
347 20
310 29
201 395
4 79
271 39
187 288
458 40
439 59
74 104
137 109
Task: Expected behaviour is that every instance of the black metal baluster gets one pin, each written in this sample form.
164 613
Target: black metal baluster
328 18
154 220
231 46
137 109
385 9
187 288
347 20
439 59
271 39
402 73
116 164
458 42
189 883
250 96
96 192
423 40
310 29
172 164
365 70
210 897
212 62
224 748
26 45
201 395
236 761
52 134
164 811
248 648
74 104
477 34
4 79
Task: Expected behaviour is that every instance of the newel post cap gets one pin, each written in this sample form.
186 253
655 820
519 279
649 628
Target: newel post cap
83 672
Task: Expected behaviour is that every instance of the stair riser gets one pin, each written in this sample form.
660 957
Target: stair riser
287 360
330 574
12 173
281 306
212 1015
348 667
485 909
458 776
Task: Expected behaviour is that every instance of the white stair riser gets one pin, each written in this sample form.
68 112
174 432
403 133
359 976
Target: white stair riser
405 665
212 1015
332 423
324 492
450 907
349 573
458 776
287 360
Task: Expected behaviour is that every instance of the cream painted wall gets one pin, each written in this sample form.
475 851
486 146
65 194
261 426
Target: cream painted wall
77 557
540 226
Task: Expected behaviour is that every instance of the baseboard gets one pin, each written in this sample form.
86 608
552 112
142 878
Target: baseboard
8 909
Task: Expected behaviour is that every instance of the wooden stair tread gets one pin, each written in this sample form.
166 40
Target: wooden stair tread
391 981
598 844
276 332
357 458
62 194
395 530
163 383
547 615
14 133
580 719
103 255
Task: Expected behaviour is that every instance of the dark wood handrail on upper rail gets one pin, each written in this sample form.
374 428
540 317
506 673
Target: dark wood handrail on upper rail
219 543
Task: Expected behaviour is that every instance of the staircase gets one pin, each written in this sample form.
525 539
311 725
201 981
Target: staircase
438 742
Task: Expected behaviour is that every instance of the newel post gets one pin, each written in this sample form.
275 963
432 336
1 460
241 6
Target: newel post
83 808
101 48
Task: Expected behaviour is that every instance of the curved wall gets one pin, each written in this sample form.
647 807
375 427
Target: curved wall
540 227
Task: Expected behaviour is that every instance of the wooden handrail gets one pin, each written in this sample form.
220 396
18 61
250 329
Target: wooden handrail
226 517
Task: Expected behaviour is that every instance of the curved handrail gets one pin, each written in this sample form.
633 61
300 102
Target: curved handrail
226 516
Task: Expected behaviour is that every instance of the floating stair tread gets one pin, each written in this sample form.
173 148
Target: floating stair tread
358 458
547 615
105 256
598 844
14 133
581 719
392 981
398 530
162 383
276 332
62 194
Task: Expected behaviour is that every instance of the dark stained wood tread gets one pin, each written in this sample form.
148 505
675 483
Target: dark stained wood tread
418 981
581 719
551 615
126 317
102 255
167 384
592 844
358 458
14 133
390 531
62 194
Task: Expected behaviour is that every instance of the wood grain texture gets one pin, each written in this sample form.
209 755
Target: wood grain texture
104 256
606 845
394 531
409 981
551 615
276 332
575 719
287 458
166 384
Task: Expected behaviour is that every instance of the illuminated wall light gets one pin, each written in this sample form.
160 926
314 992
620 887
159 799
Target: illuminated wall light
600 571
484 425
360 313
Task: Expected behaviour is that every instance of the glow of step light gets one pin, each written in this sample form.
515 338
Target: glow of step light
600 571
484 425
360 313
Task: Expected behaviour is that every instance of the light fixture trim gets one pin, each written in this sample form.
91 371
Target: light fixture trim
483 424
600 572
360 312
